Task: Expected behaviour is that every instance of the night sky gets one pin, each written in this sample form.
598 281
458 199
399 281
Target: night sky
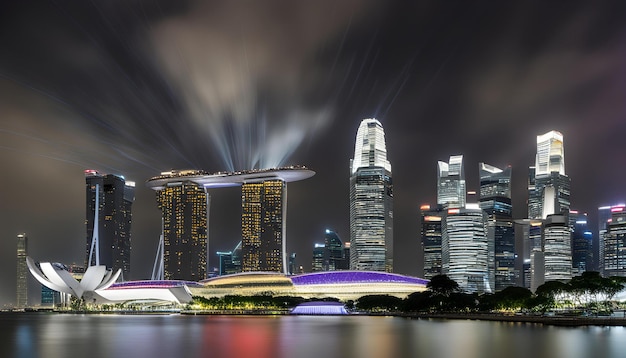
139 87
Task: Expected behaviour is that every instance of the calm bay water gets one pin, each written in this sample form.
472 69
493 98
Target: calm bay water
66 335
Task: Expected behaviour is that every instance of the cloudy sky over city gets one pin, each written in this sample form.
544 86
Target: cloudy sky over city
140 87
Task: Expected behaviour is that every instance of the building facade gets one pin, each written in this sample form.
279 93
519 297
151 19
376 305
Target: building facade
465 249
613 243
184 209
331 255
495 201
582 241
451 189
263 220
431 218
108 221
557 248
548 186
371 201
22 271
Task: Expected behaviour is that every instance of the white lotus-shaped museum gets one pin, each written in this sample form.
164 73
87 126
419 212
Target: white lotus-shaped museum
98 285
55 277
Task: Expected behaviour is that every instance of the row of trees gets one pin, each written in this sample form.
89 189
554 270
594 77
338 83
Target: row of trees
590 293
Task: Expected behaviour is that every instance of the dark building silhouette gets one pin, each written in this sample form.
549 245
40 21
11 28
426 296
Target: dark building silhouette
109 243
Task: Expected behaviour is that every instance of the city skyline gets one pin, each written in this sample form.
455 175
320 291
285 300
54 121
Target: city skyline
91 86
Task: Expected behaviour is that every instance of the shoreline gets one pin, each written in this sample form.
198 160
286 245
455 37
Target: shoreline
544 320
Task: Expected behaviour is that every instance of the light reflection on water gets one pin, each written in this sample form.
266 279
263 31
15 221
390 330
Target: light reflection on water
65 335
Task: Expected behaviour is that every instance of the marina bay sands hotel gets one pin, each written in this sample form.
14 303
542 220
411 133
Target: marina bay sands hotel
184 201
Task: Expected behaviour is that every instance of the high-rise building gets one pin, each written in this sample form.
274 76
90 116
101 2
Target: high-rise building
330 256
184 209
108 221
22 271
184 201
582 239
549 186
451 183
495 201
263 247
371 201
613 243
528 239
431 239
557 248
465 249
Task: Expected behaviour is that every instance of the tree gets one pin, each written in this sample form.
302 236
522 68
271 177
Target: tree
443 285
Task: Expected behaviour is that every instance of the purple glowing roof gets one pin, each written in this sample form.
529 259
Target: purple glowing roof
152 284
338 277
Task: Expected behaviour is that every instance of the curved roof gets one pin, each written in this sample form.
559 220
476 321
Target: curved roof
345 277
225 179
248 279
152 284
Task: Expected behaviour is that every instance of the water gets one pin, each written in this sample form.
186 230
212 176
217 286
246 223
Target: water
65 335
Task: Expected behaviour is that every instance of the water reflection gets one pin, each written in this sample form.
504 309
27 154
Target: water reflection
54 335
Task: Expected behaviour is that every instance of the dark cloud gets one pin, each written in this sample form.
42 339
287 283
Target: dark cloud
137 87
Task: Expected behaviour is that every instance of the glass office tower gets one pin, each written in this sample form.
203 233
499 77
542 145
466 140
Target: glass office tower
431 218
465 249
613 247
371 201
108 221
557 248
549 186
451 182
22 271
495 201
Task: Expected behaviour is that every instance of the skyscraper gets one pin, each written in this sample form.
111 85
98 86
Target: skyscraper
108 221
263 220
582 239
22 271
431 239
557 248
549 187
613 243
465 249
184 208
184 201
495 201
451 183
329 256
371 201
549 197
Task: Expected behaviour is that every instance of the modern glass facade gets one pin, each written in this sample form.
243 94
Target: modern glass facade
184 208
22 271
465 249
614 244
495 201
548 186
451 182
371 201
582 239
431 218
263 210
557 248
115 197
329 256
